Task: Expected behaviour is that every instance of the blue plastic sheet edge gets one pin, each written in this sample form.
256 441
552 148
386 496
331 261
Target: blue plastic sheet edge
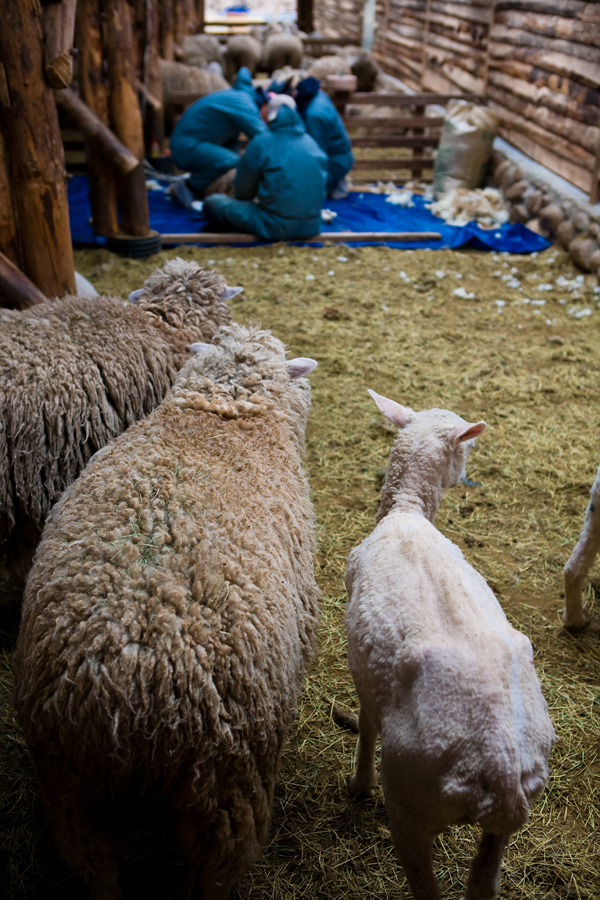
358 212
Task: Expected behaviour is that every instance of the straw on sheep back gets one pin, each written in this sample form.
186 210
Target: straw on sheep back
170 615
282 50
241 50
76 372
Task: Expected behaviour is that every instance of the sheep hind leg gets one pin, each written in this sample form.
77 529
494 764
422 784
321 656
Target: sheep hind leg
88 848
580 563
205 882
484 874
365 777
414 848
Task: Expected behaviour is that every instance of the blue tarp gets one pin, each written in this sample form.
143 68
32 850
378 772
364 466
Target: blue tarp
357 212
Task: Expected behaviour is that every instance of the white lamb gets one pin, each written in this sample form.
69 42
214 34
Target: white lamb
439 672
581 560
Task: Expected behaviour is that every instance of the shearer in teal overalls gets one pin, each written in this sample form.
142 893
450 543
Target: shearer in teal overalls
280 182
324 124
205 139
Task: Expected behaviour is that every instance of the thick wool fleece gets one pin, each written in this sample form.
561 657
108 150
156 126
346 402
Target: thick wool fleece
76 372
171 612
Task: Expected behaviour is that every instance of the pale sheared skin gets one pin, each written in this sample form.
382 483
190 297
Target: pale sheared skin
581 560
169 618
440 673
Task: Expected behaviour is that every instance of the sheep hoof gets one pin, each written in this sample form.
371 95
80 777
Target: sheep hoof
357 789
575 623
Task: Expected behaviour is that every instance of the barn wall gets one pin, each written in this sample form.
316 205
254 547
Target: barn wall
339 17
537 61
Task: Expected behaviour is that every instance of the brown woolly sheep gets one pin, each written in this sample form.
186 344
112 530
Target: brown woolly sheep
282 50
169 618
241 50
77 372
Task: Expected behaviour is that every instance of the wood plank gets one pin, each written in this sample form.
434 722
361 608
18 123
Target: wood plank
95 129
551 25
393 121
563 64
553 142
541 94
572 8
585 136
393 140
567 169
522 38
389 164
421 99
326 237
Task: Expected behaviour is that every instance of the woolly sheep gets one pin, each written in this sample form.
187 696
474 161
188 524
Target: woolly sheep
581 560
439 672
201 49
328 65
176 76
241 50
76 372
170 615
282 50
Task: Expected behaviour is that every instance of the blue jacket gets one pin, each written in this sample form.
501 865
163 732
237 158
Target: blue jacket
324 124
286 171
205 139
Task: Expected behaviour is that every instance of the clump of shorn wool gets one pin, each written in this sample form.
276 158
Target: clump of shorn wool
440 673
77 372
581 561
170 615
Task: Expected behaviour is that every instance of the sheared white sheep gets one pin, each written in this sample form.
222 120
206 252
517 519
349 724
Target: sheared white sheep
440 673
77 372
581 560
169 618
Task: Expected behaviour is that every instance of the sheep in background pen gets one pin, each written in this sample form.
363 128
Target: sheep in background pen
241 50
439 671
281 50
201 50
77 372
170 615
581 560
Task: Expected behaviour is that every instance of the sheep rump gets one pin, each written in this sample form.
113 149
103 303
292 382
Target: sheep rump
77 372
170 615
241 50
282 50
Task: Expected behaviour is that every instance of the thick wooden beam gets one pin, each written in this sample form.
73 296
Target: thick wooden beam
167 30
305 15
90 64
125 114
35 152
326 237
9 241
95 129
59 29
16 290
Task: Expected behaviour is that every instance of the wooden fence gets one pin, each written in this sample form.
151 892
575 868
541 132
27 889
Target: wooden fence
536 61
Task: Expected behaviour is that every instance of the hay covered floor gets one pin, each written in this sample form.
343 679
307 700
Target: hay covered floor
509 350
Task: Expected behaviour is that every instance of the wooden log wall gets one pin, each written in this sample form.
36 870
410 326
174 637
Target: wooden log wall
333 17
536 61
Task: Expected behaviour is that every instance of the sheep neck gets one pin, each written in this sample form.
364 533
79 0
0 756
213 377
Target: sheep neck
417 490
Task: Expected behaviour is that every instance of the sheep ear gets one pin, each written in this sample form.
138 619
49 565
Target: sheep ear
398 415
230 292
135 295
463 433
199 348
301 366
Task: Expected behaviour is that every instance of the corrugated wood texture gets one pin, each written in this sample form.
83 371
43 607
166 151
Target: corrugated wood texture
537 62
344 17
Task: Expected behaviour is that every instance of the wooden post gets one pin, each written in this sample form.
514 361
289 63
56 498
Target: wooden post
126 117
16 290
200 15
9 241
35 152
167 36
486 65
93 128
59 27
425 41
305 15
152 81
101 176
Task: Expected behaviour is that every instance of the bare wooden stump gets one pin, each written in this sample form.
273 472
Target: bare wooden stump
35 151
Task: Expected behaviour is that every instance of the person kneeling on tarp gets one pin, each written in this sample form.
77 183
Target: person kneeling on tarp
206 137
280 182
324 123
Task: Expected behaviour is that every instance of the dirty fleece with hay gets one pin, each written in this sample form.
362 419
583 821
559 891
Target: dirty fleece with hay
170 616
